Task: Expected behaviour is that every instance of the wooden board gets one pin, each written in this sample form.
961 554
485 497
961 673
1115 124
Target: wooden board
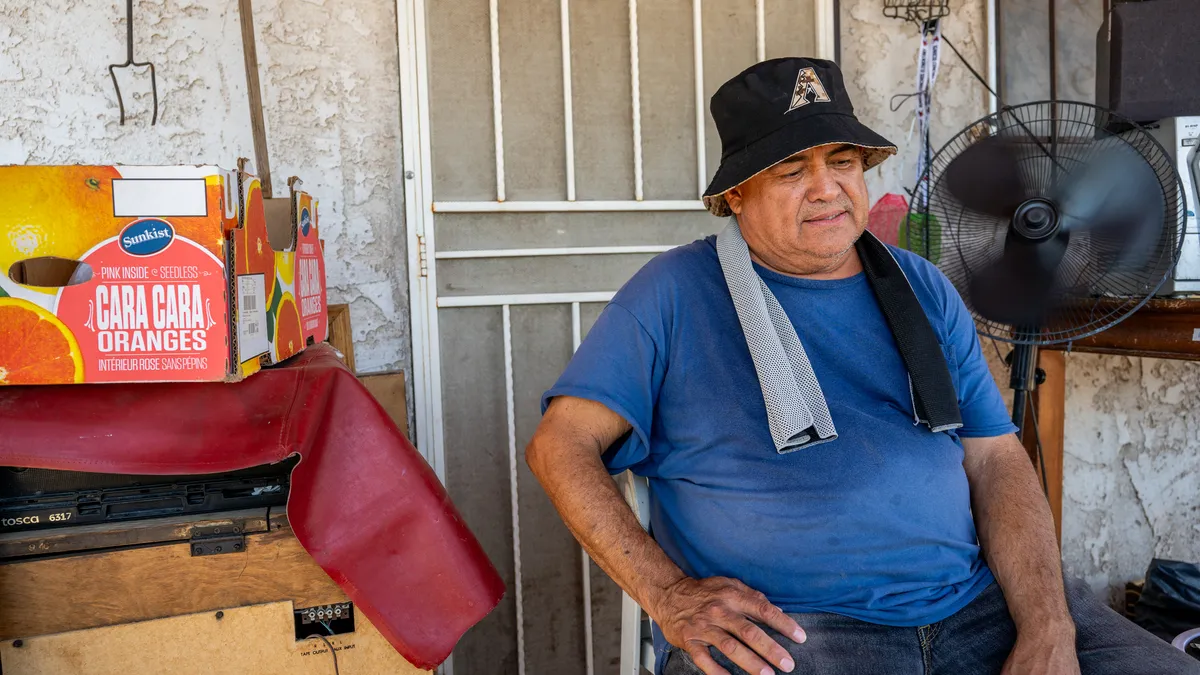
1166 328
254 640
1047 401
87 590
258 127
388 389
123 534
341 335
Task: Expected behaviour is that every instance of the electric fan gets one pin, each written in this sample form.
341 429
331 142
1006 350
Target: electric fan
1054 221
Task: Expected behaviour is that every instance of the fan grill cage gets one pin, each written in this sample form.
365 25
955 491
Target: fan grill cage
1054 139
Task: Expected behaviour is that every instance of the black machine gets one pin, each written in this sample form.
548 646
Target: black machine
1054 220
1147 65
35 499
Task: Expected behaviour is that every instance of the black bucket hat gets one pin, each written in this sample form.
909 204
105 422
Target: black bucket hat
776 109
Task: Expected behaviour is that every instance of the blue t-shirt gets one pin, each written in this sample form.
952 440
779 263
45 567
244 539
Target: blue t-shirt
876 524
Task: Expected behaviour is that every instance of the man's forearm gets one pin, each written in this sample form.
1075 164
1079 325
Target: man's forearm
596 513
1016 532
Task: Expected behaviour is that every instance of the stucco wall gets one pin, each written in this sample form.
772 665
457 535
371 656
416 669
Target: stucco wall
1132 465
329 80
879 60
1132 425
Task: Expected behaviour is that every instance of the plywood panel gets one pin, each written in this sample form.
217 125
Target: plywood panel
476 443
341 333
390 391
98 589
170 529
258 639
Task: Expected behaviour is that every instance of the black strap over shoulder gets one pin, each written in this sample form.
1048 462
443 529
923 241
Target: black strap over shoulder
934 396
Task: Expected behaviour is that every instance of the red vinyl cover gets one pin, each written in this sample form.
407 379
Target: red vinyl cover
363 501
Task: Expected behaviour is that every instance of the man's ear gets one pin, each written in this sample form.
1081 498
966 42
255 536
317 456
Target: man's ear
733 197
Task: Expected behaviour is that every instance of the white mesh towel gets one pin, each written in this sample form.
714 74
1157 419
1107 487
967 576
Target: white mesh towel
796 408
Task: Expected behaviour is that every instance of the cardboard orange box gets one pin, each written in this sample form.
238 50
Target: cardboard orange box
153 274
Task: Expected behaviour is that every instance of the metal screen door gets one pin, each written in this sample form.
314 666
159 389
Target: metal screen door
551 148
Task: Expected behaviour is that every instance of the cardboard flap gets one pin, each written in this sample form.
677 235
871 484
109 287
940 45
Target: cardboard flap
281 227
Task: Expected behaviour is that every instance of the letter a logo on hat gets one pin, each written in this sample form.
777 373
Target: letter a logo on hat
807 83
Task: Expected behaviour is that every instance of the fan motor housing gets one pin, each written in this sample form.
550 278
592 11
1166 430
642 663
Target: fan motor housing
1036 219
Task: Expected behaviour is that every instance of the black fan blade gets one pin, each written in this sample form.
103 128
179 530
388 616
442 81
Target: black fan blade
1019 289
1117 200
986 177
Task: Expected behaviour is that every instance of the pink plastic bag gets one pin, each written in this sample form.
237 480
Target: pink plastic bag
886 216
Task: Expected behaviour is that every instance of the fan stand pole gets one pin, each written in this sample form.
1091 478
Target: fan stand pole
1022 380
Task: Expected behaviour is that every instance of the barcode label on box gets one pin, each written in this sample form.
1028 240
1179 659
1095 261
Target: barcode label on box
252 317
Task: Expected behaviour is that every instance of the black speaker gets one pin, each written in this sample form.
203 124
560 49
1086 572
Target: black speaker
36 499
1148 59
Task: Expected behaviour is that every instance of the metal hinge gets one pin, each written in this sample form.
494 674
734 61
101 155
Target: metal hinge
217 540
422 256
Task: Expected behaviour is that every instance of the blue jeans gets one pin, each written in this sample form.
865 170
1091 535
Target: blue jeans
975 641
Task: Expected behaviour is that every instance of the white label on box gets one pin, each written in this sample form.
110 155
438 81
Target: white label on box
252 317
137 197
1196 335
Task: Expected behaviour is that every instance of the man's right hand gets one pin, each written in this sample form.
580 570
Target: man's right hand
695 614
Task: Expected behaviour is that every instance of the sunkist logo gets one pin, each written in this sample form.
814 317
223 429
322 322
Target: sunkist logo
147 237
305 221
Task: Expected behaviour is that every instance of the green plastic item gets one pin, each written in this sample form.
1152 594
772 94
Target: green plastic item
916 223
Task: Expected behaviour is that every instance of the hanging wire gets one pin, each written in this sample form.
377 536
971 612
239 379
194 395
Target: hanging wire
331 649
1037 436
904 98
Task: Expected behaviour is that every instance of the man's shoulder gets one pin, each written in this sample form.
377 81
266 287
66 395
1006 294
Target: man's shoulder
923 274
670 273
698 256
659 292
911 261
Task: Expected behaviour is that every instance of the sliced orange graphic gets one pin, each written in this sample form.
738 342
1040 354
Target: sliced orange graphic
35 347
289 338
58 211
255 255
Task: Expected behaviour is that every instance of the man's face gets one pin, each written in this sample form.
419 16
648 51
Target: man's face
803 215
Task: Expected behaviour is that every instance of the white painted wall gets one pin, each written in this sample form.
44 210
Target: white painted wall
328 70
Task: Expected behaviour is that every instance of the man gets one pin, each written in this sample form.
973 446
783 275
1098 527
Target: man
827 497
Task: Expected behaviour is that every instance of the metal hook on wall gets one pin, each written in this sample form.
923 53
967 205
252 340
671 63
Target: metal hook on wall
129 62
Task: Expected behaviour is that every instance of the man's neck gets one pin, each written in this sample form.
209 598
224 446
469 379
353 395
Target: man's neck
820 269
